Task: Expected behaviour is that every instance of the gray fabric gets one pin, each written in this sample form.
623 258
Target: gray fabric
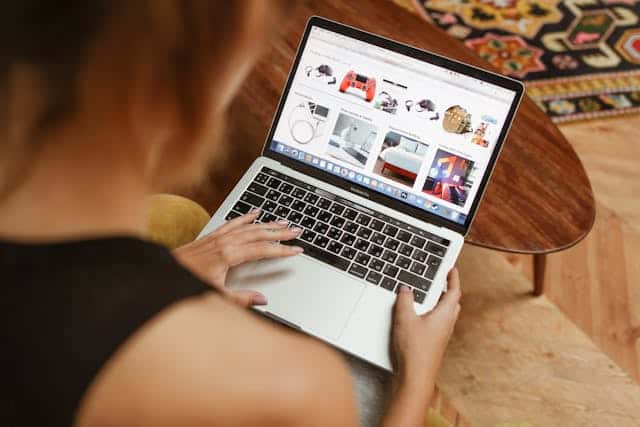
373 387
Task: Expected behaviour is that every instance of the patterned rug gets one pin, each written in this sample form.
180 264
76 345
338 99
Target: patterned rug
580 58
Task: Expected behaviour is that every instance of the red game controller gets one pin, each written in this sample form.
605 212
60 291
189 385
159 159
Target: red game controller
358 81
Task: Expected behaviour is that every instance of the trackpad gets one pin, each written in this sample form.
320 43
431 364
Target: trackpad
302 291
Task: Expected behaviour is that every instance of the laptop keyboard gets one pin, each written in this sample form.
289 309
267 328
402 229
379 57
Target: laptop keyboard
369 245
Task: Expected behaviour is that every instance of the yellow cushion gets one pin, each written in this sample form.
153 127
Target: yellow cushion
174 220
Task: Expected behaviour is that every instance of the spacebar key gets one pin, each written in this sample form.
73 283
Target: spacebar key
319 254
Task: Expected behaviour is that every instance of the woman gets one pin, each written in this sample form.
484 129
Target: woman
103 103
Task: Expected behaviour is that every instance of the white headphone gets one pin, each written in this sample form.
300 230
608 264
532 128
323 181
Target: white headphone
304 125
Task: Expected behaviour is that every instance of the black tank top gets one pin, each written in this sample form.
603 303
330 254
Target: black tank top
65 309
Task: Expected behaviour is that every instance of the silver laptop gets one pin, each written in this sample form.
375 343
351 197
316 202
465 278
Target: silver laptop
381 153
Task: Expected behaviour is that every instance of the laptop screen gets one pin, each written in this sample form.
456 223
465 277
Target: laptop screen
406 128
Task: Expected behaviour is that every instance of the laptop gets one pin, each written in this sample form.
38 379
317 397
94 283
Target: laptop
381 153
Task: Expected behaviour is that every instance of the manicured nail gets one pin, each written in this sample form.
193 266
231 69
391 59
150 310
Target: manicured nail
296 249
258 299
297 230
254 211
404 288
283 222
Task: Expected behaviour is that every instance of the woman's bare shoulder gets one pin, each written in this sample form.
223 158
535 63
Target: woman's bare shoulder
206 361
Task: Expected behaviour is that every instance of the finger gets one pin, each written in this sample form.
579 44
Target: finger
235 255
237 222
246 298
453 294
265 233
403 308
257 226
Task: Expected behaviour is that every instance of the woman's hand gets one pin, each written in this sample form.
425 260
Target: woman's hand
236 242
418 344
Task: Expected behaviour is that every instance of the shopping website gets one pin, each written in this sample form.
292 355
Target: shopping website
408 129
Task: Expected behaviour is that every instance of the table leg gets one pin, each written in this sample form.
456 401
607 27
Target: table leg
539 266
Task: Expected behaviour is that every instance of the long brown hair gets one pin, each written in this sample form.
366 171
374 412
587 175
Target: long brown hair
46 43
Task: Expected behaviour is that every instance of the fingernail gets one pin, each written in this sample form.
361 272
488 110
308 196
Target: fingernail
258 299
254 211
297 249
404 288
283 222
297 230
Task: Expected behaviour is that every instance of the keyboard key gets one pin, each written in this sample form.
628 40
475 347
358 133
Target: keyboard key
311 210
298 193
390 270
269 206
375 251
436 249
362 258
252 199
336 209
321 228
405 250
311 198
390 230
231 215
261 178
434 261
364 232
363 219
324 203
308 222
418 242
321 241
324 216
350 214
374 277
286 200
391 244
295 217
376 264
273 195
286 188
418 296
388 283
361 245
419 255
389 256
334 233
403 262
269 218
377 225
274 183
257 188
338 221
335 247
404 236
348 239
378 238
350 227
358 271
431 272
348 252
281 211
319 254
437 239
417 268
242 207
308 235
413 280
298 205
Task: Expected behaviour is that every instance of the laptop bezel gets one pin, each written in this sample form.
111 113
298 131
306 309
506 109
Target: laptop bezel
423 55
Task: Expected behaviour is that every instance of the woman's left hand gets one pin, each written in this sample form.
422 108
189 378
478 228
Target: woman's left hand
236 242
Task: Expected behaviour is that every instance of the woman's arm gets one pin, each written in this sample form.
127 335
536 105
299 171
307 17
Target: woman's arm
419 342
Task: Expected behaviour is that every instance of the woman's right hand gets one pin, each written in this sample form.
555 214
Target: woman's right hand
419 342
